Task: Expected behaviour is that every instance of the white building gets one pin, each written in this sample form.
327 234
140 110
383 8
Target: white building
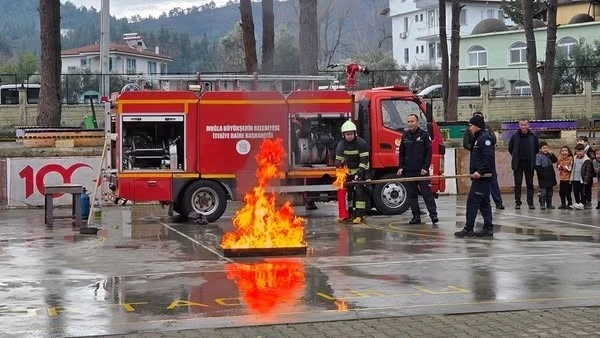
415 27
130 58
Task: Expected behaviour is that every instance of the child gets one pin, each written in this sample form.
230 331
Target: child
582 176
544 166
565 166
596 164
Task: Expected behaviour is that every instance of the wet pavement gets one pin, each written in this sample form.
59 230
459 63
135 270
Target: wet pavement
144 272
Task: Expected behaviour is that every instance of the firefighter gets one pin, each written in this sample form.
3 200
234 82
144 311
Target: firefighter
415 160
353 152
481 163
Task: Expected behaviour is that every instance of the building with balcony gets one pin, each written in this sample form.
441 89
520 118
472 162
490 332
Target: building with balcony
130 58
415 27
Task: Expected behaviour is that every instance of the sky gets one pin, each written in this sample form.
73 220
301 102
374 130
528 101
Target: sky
144 8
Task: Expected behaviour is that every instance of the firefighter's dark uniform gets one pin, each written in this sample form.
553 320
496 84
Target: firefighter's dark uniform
355 155
482 161
414 156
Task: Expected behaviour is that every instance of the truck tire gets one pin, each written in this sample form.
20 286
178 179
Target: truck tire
390 198
205 197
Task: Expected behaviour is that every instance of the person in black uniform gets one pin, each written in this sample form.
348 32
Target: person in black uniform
468 144
482 162
353 151
415 159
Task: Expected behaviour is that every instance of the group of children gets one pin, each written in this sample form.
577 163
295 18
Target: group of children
576 175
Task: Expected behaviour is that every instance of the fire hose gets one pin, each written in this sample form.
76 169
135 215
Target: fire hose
414 179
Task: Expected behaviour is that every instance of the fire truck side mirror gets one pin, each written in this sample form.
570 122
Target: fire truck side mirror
429 111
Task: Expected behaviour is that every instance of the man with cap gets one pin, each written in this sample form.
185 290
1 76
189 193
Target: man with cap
468 144
481 163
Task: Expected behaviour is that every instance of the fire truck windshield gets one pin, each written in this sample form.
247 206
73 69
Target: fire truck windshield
396 111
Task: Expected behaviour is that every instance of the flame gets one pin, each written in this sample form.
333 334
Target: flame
340 177
259 224
341 305
265 286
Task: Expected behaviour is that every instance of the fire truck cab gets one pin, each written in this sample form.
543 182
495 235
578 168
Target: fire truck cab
195 151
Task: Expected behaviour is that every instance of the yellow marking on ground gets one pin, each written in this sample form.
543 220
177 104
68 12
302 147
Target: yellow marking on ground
181 302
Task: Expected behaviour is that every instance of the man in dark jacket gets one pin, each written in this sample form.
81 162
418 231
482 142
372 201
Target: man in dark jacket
468 140
415 159
523 146
481 163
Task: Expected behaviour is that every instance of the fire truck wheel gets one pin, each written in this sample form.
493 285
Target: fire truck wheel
205 197
390 198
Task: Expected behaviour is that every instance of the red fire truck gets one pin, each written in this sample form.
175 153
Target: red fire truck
196 150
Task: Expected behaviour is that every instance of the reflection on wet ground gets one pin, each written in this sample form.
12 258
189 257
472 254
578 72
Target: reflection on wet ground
145 272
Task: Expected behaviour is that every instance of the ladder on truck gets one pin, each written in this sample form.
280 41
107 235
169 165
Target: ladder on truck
216 82
197 82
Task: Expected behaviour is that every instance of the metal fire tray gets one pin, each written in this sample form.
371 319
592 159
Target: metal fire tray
261 252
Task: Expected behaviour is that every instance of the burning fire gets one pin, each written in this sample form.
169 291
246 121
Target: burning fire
265 286
340 177
259 224
341 305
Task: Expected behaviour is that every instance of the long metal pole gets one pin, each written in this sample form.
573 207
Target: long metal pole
105 48
414 179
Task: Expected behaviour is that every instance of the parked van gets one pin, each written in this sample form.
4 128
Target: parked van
9 93
464 90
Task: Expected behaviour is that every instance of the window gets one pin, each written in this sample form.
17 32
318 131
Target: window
491 13
439 50
110 64
517 53
421 17
522 88
395 113
406 51
151 67
416 18
432 53
501 15
477 56
131 66
406 25
463 16
84 63
417 49
566 45
422 49
432 20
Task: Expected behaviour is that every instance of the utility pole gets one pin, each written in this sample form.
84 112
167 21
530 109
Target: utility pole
105 48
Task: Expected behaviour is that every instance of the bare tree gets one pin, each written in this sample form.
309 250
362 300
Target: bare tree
49 108
332 30
444 52
532 58
268 45
249 40
451 113
308 37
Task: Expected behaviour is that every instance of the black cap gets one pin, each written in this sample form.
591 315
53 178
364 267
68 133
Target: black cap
477 120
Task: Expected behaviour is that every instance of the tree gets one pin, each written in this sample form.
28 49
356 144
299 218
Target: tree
268 44
286 58
232 51
308 37
444 52
451 113
49 107
332 31
513 9
548 71
542 101
27 65
250 59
